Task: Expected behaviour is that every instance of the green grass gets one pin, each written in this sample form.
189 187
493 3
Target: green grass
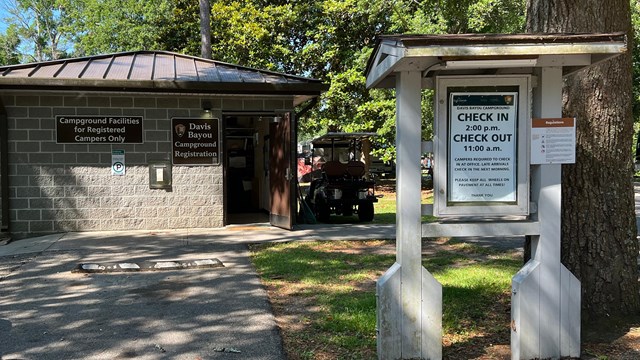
337 280
470 293
340 285
385 209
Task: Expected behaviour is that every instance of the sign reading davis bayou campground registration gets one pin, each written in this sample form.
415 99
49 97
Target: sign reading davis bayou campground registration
482 147
78 129
195 141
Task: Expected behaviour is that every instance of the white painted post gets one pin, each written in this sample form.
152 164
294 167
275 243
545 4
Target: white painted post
409 298
544 324
408 213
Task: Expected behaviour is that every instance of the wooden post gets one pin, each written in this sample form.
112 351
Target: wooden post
409 298
545 305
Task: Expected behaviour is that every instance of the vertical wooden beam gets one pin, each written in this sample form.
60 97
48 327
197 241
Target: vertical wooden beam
408 213
544 287
548 195
409 298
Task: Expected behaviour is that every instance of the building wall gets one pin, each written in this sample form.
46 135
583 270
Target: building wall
69 187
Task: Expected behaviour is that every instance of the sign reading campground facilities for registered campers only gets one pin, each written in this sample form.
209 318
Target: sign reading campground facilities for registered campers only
80 129
482 147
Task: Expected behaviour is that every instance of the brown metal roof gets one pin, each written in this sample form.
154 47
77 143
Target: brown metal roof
155 71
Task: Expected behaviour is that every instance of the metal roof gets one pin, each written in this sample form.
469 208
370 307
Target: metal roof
474 54
154 71
331 138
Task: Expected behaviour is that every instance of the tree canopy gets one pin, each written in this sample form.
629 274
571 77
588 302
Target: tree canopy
326 39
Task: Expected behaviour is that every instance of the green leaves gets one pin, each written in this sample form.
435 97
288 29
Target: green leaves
37 24
326 39
106 26
9 47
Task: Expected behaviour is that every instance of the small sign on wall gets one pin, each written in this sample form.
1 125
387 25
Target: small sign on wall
553 141
196 141
117 162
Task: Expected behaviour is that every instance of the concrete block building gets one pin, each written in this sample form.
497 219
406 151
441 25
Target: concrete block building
147 140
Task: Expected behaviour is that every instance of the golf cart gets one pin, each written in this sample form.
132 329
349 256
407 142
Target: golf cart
340 185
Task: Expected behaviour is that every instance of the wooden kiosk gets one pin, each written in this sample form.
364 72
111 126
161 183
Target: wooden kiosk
499 142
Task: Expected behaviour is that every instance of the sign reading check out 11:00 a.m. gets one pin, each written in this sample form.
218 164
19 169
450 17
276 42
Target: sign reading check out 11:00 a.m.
482 147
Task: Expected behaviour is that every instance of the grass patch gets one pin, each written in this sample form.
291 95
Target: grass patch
472 294
332 286
323 294
385 208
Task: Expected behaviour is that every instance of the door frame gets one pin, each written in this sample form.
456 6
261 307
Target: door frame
283 191
291 151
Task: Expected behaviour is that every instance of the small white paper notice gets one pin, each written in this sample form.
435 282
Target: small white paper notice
553 141
160 175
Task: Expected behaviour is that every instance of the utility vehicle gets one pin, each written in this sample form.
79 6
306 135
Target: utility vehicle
341 185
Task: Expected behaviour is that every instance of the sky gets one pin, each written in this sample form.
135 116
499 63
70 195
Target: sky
3 15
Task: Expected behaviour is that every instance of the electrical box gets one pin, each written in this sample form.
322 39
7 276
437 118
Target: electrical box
160 174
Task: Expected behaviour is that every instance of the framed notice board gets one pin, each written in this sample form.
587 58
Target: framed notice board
482 162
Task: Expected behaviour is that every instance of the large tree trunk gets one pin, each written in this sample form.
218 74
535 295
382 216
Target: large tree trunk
205 29
599 242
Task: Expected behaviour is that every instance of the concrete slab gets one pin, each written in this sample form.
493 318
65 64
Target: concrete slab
48 312
29 245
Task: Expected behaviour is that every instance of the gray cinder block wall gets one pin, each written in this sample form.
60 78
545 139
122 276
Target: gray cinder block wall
69 187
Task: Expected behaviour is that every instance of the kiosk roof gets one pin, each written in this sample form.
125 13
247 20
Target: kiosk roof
477 54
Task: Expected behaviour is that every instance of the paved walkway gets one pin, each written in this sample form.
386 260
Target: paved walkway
49 312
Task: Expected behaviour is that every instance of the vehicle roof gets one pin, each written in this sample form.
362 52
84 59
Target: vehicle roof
338 138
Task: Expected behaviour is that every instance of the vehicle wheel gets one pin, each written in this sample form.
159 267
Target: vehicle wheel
365 211
322 209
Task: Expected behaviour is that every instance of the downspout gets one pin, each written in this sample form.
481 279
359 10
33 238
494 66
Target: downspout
4 168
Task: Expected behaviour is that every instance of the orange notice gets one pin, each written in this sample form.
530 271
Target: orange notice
559 122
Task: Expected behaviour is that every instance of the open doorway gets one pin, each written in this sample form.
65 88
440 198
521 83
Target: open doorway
246 165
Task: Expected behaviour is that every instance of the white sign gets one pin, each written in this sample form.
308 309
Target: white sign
553 141
482 147
117 162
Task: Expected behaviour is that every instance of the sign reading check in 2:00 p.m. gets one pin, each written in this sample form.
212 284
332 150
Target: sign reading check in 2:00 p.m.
78 129
196 141
482 147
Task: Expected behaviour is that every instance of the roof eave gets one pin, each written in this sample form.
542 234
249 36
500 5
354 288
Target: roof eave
308 89
413 53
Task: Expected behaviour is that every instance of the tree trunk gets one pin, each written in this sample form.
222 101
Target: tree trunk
599 243
205 29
